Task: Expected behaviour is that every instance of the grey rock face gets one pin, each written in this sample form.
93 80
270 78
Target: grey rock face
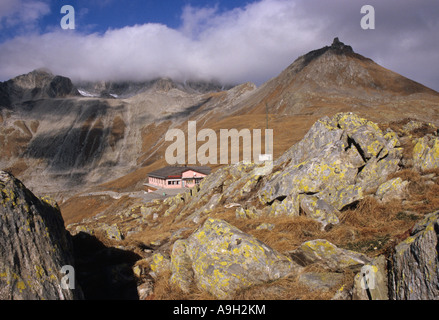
34 246
222 259
415 267
337 161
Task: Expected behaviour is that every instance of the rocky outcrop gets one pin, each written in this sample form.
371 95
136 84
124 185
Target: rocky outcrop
38 84
426 153
337 163
34 246
221 259
414 272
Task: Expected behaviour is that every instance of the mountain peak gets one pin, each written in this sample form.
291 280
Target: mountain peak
340 48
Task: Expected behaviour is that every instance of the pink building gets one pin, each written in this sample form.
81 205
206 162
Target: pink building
176 177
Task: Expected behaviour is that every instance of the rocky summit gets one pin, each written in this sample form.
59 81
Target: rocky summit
347 209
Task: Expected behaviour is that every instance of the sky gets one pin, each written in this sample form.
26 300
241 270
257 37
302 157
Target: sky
231 41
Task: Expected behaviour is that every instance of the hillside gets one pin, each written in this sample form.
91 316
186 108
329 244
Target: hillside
350 195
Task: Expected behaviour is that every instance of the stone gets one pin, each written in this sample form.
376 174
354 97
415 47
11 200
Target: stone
288 207
250 213
369 141
376 171
221 259
322 281
327 255
34 246
159 264
318 209
343 197
392 189
331 168
112 232
414 272
426 153
145 290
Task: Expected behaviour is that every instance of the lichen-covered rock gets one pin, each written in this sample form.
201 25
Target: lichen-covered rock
221 259
343 197
414 274
112 232
290 207
181 266
391 189
250 213
319 210
370 140
331 168
338 161
34 246
322 281
426 153
376 171
159 264
327 255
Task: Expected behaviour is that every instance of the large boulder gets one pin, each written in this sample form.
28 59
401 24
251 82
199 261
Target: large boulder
327 255
414 274
221 259
338 161
426 153
35 248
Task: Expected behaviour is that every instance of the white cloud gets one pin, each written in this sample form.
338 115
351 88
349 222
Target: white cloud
253 43
22 13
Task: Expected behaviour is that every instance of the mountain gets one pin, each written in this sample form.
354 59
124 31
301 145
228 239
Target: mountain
127 89
337 77
38 84
57 139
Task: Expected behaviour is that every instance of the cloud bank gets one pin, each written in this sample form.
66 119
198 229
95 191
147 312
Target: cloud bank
252 43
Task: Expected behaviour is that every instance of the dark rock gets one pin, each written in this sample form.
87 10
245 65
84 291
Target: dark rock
34 246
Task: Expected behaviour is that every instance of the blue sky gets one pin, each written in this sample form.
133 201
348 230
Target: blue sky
101 15
231 41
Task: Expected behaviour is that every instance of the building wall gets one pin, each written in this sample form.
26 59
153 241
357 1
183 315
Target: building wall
190 178
192 174
177 183
173 184
161 183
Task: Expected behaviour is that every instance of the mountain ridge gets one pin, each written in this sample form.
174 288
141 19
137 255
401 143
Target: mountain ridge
89 141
